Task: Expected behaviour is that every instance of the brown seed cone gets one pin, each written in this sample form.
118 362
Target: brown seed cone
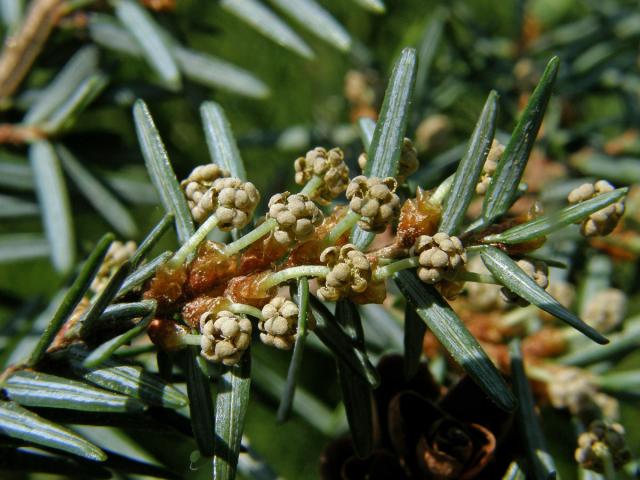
309 252
210 268
193 310
545 343
261 255
167 287
245 289
160 5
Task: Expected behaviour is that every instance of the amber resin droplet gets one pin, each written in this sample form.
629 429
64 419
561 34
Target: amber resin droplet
261 255
247 290
166 334
193 310
418 216
309 252
167 286
210 267
376 292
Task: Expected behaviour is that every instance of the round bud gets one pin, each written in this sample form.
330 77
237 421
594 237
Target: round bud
235 202
537 270
606 310
225 336
375 200
603 221
350 272
329 166
489 167
196 189
571 388
438 255
602 441
297 217
280 324
117 254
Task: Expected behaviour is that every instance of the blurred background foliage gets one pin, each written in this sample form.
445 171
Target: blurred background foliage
485 44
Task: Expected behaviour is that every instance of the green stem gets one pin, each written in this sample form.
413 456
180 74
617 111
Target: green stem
442 191
346 223
540 374
190 246
251 237
607 460
190 339
386 271
286 402
242 309
282 276
132 351
312 185
518 316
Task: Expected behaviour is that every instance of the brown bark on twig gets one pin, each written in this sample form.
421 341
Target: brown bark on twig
160 5
21 49
19 134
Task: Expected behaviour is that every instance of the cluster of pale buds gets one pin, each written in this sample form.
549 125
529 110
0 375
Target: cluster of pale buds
117 254
606 310
375 200
196 189
210 191
225 336
350 272
535 269
600 442
279 325
297 217
438 255
489 167
603 221
571 388
407 165
329 166
235 202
